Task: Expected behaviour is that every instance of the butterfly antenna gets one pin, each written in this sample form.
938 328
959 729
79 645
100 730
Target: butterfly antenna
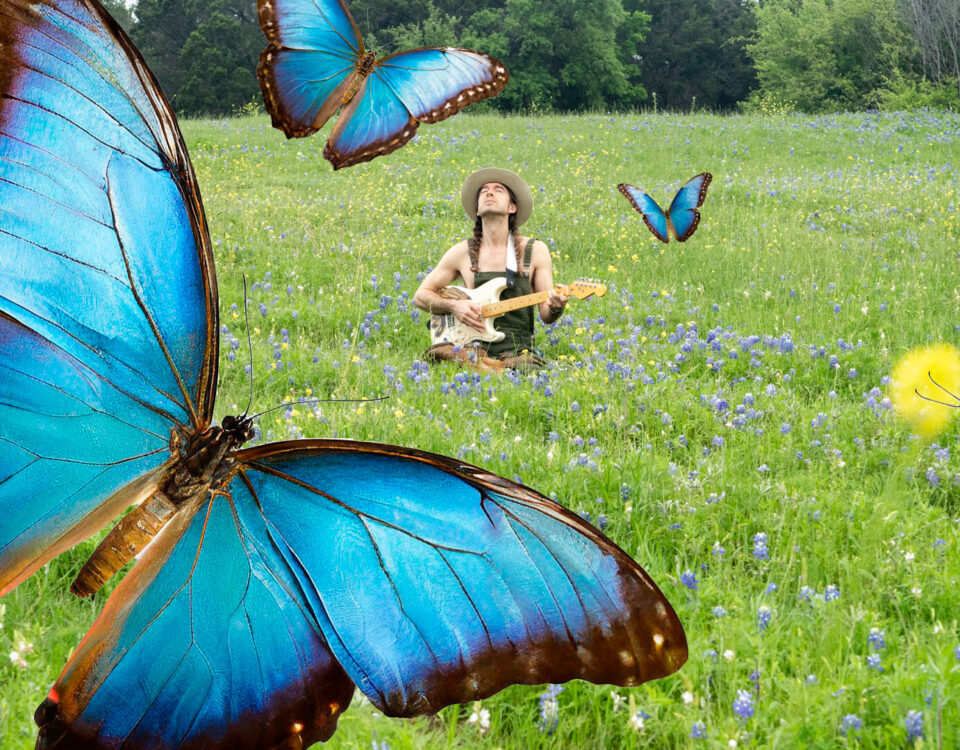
936 401
320 401
246 317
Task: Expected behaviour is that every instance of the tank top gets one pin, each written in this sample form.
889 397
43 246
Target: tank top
516 324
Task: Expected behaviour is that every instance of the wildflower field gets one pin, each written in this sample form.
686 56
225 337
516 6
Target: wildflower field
723 413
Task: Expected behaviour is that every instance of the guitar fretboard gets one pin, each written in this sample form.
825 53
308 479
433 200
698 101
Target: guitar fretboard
493 309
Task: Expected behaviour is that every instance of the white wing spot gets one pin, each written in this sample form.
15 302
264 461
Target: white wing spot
658 640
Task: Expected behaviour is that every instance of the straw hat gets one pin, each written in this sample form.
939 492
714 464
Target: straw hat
473 183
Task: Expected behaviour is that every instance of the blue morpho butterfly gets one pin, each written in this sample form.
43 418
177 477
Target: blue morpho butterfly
315 62
682 218
279 576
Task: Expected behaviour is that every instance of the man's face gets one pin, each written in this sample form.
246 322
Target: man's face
494 200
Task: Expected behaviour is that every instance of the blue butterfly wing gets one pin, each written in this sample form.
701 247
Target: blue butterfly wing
405 89
206 643
99 213
310 60
652 214
683 209
326 563
435 582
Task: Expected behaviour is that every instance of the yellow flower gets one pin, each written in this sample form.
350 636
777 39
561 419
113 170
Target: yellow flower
913 374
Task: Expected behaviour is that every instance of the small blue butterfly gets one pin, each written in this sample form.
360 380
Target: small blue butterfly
315 62
682 217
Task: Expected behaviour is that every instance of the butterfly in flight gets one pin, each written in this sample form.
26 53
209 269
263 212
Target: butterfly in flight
315 62
682 218
270 580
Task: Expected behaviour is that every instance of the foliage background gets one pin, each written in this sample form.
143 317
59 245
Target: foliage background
601 55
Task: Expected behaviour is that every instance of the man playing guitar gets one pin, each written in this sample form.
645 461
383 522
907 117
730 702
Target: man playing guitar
499 202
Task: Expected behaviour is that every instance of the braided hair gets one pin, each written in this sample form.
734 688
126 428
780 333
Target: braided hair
473 246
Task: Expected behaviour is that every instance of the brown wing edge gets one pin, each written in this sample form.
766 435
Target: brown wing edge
295 719
648 643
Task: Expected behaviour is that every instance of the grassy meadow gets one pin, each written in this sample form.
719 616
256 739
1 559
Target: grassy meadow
721 413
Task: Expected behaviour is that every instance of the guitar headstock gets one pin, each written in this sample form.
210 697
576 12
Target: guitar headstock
583 288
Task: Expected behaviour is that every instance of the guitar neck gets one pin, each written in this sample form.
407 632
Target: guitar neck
493 309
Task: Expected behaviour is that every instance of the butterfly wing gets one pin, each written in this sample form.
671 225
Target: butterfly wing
652 214
204 644
436 582
405 89
309 62
683 209
100 354
430 581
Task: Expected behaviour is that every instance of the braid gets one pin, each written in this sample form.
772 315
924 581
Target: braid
474 246
517 247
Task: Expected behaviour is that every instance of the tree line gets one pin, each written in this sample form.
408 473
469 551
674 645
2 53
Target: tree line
611 55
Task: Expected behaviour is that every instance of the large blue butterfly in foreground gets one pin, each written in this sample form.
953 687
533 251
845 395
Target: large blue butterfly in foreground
315 62
273 579
682 218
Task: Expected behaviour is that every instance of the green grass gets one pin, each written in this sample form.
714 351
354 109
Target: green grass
828 247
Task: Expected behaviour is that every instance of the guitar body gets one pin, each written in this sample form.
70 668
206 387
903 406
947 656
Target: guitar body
446 329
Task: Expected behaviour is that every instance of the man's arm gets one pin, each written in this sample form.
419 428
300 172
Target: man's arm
541 267
427 296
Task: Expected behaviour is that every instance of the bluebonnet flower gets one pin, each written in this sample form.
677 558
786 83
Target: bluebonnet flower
771 390
717 441
720 551
743 704
715 498
760 549
873 662
574 407
771 587
932 479
812 679
698 731
914 724
831 593
956 653
764 614
763 468
875 639
785 428
688 579
806 593
711 654
719 611
550 709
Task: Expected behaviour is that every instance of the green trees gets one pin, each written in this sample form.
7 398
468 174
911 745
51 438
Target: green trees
823 55
204 52
812 55
695 52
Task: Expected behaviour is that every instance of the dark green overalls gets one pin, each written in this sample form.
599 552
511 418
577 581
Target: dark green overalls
516 324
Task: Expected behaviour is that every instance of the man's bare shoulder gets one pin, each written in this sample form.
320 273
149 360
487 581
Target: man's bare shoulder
456 254
540 254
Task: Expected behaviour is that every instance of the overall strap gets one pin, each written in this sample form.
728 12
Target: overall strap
527 252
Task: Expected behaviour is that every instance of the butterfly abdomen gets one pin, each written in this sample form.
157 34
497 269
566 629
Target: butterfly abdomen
202 463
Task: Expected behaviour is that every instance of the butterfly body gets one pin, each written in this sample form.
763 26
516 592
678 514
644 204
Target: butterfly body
682 218
270 580
200 464
315 62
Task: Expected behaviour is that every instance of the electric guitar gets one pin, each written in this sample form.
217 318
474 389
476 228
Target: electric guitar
446 329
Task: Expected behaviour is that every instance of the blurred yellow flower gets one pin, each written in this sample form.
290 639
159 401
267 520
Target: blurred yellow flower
915 373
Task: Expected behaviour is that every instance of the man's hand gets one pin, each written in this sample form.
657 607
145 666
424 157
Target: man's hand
556 302
469 313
